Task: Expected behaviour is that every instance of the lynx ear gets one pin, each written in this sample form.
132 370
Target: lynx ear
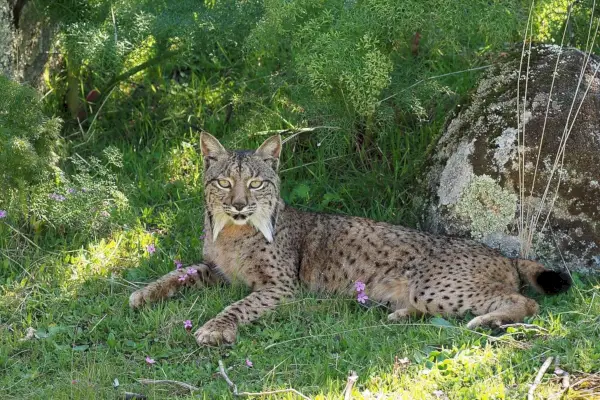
211 148
270 151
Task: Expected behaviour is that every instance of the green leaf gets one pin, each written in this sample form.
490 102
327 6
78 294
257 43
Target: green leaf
302 191
439 321
111 340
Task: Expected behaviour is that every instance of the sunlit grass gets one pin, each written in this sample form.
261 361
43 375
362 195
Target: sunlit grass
72 289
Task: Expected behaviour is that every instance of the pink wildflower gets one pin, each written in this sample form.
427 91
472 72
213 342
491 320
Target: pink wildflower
359 286
150 361
249 363
3 213
178 264
57 197
187 324
191 271
182 278
362 297
151 248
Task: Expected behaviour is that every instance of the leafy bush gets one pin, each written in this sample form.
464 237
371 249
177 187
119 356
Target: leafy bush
85 202
345 56
35 189
29 141
105 42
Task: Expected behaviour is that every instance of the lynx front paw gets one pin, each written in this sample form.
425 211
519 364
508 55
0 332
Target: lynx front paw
216 332
400 315
484 321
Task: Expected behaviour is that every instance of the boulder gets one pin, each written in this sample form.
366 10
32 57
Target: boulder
474 185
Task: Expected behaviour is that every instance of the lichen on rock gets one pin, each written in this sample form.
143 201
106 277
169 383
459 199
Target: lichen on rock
488 206
479 189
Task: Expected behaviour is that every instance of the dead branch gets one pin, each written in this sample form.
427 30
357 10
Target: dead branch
352 378
235 392
523 325
538 377
133 396
182 385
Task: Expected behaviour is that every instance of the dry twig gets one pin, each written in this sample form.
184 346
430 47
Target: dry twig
565 380
182 385
538 377
352 378
523 325
294 131
133 396
235 392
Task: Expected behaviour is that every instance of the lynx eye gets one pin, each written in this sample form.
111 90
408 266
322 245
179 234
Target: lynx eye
224 183
255 184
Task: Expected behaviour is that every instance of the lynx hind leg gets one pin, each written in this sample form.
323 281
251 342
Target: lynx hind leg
166 286
504 309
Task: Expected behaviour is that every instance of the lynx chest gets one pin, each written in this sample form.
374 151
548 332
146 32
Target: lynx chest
232 253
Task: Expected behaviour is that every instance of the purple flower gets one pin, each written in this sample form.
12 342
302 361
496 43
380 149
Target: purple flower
359 286
57 197
71 190
150 361
249 363
182 278
178 264
187 324
191 271
150 248
3 213
362 297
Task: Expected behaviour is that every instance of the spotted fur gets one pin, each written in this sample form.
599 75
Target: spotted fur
254 238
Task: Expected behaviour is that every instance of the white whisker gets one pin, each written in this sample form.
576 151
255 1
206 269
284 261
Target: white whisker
220 219
261 220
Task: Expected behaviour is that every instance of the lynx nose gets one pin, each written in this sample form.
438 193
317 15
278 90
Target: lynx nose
238 206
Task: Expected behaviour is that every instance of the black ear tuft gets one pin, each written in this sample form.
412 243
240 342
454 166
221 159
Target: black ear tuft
554 282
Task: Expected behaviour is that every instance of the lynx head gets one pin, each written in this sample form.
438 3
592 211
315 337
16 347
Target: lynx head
241 187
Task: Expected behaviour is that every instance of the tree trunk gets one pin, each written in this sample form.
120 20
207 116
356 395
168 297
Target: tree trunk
25 42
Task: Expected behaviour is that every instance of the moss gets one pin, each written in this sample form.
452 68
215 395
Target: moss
489 207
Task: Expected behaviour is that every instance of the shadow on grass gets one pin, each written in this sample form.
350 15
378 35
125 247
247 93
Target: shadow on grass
86 336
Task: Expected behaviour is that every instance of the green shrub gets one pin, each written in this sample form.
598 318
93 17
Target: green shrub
29 141
34 187
85 202
342 58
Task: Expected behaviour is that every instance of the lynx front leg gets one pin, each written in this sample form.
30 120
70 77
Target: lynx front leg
198 275
223 328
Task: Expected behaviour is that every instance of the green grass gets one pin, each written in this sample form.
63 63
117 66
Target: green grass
87 337
72 285
74 294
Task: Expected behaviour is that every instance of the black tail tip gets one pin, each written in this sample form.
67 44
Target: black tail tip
554 282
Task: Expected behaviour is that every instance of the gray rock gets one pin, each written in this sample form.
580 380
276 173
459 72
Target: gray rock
474 185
